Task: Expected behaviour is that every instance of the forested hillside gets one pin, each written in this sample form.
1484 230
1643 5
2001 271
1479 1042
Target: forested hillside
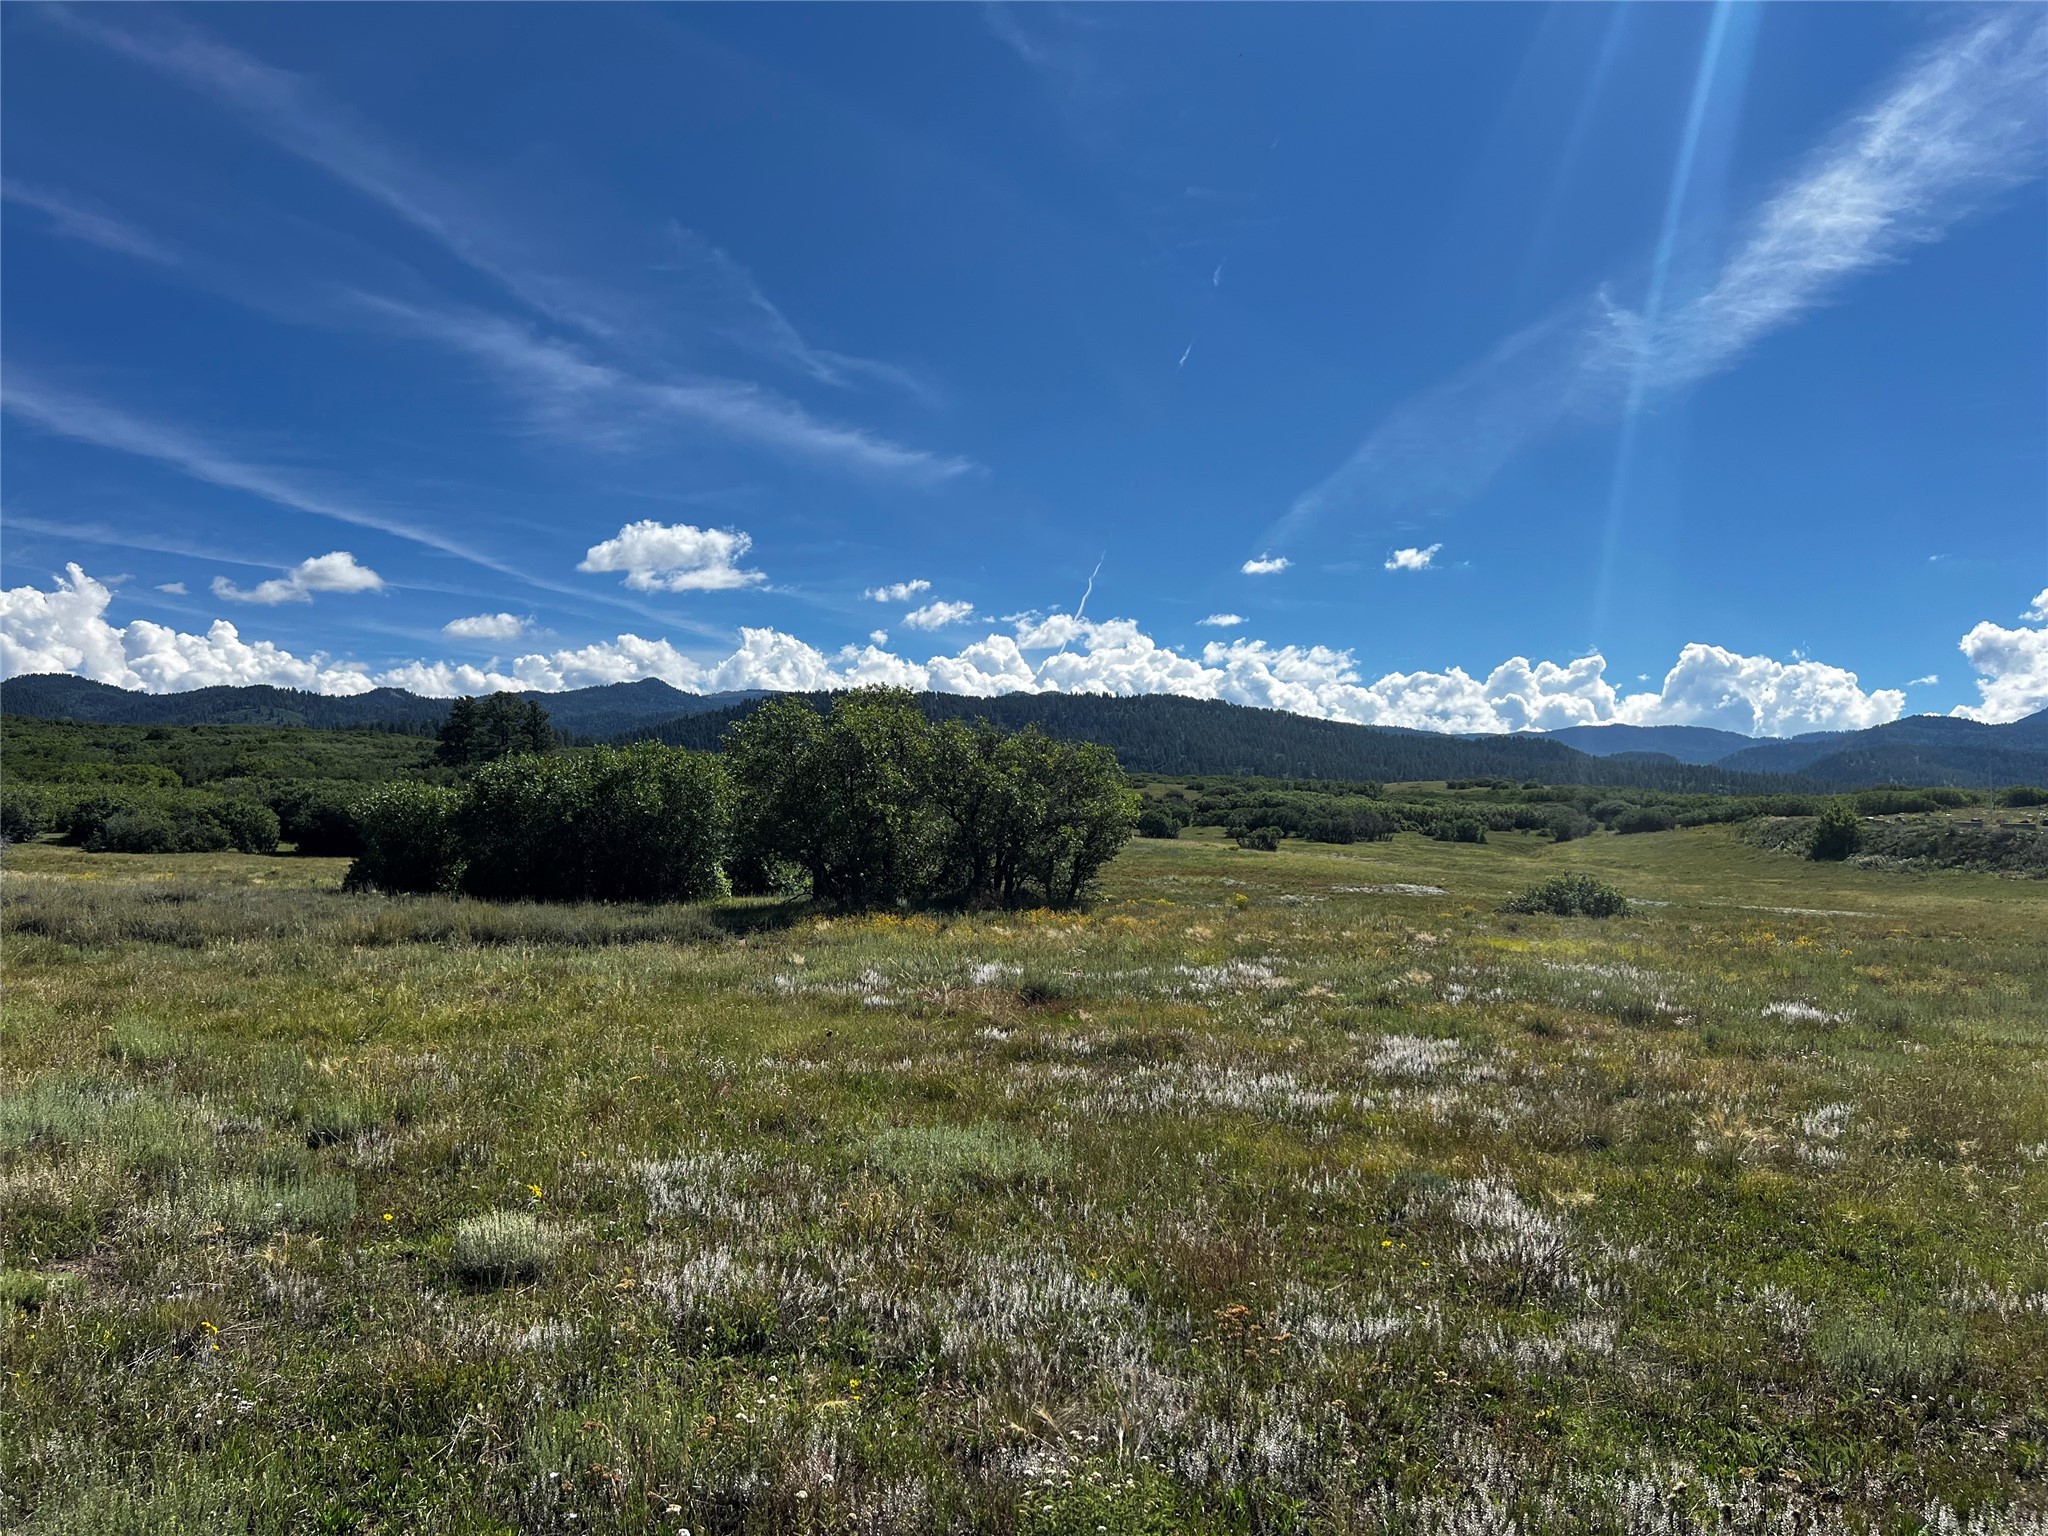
1169 735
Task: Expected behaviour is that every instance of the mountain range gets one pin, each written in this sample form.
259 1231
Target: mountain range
1167 734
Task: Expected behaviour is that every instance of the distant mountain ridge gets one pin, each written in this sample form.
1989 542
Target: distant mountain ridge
607 710
1163 733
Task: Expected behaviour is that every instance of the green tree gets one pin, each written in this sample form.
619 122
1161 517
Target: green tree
482 730
1836 834
840 796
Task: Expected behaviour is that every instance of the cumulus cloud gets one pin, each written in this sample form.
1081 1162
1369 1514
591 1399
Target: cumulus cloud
487 626
1222 620
339 571
938 615
2011 667
675 557
896 591
1761 696
175 588
1412 559
64 629
878 637
1266 565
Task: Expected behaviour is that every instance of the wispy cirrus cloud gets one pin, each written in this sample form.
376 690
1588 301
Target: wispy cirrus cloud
1963 122
296 115
596 402
78 218
104 426
735 306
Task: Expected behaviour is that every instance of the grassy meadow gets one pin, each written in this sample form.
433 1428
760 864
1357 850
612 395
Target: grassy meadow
1296 1191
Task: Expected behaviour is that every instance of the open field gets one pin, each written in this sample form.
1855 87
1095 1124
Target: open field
1289 1191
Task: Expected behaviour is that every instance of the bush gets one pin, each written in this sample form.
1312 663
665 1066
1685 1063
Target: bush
1461 829
319 821
1645 818
1157 823
251 826
1259 839
136 831
1567 824
1570 896
408 836
2023 795
501 1246
22 815
1835 834
642 823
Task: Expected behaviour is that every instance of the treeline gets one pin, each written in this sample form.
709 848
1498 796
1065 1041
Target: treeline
1258 812
1168 735
869 805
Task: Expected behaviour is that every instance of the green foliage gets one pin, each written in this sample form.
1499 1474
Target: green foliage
251 826
2018 795
1570 896
482 730
1835 834
878 806
1645 818
24 814
644 823
1154 822
1258 839
1914 1353
1898 802
408 837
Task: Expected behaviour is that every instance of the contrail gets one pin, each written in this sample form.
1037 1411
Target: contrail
1082 606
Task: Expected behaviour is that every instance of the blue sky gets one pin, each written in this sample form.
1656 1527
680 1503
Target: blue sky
1468 367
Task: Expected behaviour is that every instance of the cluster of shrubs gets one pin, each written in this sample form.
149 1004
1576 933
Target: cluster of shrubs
141 819
870 805
1570 896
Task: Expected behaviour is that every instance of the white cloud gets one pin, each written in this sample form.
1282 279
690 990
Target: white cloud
65 630
896 592
1761 696
1960 124
1925 682
2012 668
88 421
1266 565
1222 620
75 219
335 572
938 615
675 557
878 637
175 588
2037 610
488 626
1412 559
595 404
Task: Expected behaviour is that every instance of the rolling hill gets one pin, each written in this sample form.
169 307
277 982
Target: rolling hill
1167 734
